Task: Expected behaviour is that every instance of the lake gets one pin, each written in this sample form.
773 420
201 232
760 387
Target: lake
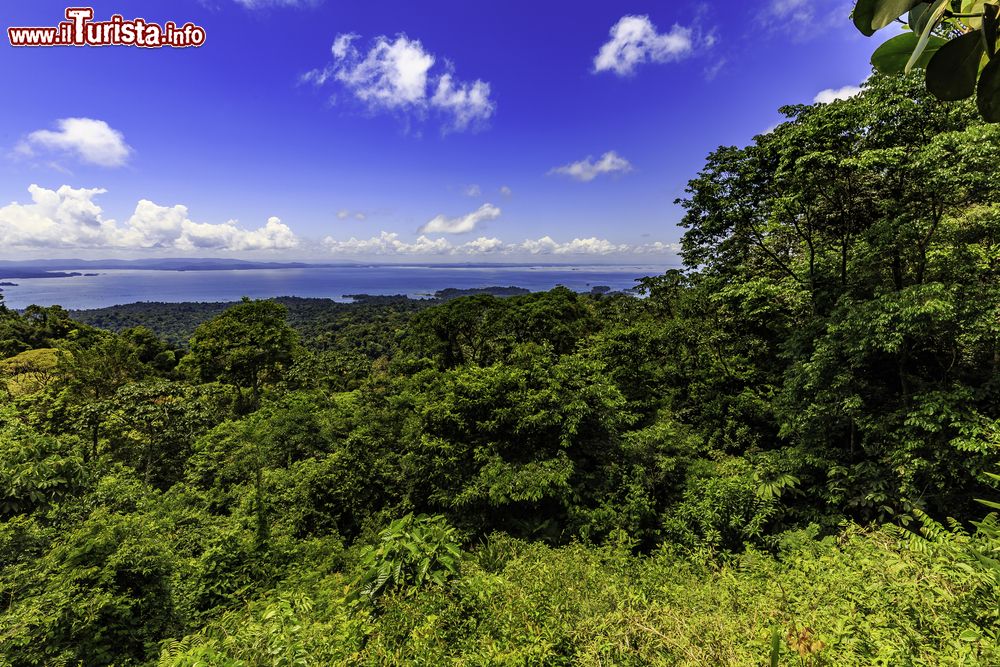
113 287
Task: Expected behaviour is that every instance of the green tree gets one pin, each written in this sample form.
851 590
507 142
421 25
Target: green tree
89 377
837 287
250 345
152 426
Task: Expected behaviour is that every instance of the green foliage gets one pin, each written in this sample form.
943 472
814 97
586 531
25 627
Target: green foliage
955 40
864 598
412 552
152 426
845 301
724 506
249 345
556 478
38 327
36 471
30 371
891 57
100 593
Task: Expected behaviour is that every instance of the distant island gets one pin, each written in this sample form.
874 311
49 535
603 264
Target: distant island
21 273
440 295
454 293
375 299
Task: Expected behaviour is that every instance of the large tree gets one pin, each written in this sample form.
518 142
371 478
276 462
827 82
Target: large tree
249 345
843 298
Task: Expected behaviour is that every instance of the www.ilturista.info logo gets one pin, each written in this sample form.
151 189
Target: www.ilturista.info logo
79 29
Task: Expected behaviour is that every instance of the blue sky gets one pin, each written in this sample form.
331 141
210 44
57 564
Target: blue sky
398 131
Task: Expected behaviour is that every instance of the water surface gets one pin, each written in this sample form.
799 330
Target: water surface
113 287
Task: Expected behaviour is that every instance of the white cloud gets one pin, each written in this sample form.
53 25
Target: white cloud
473 190
262 4
469 103
395 75
466 223
587 169
803 18
635 40
344 214
389 243
184 234
713 70
342 45
791 10
392 74
63 218
590 246
91 141
70 218
506 191
657 248
834 94
482 246
155 226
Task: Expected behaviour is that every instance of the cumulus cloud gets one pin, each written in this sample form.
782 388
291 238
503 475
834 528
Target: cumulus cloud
70 218
834 94
61 218
657 248
590 246
482 246
90 141
506 191
461 225
396 75
154 226
469 103
587 169
635 40
389 243
473 190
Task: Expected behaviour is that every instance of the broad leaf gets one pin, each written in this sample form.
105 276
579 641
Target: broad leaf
972 7
934 15
991 27
917 17
891 57
872 15
988 92
952 72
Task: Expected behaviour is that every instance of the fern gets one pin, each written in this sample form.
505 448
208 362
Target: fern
172 650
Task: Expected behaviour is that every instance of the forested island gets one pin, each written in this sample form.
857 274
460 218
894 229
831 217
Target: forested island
777 455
